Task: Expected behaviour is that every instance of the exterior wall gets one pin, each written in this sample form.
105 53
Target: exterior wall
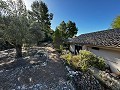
112 58
84 47
72 48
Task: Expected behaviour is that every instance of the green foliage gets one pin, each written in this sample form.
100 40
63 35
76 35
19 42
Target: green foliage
116 22
61 47
62 28
40 15
67 57
99 63
63 32
84 60
57 40
75 60
68 29
3 5
15 22
71 29
37 33
87 59
19 27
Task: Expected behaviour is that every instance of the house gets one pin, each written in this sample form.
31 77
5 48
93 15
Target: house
104 43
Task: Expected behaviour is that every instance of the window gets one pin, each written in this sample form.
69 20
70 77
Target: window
95 48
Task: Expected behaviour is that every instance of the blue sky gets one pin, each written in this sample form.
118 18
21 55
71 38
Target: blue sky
89 15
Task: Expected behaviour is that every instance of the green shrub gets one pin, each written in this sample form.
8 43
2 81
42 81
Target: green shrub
87 59
75 61
61 47
100 63
58 50
84 60
67 57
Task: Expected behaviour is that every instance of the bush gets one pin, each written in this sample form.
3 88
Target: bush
84 60
100 63
61 47
59 50
67 57
75 61
87 59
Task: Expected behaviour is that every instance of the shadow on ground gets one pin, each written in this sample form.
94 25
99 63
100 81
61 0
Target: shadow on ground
41 69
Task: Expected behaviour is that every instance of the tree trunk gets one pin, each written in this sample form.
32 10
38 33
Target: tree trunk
18 51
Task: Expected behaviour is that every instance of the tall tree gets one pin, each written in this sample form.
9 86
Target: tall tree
116 22
62 27
3 10
40 15
16 22
63 32
68 29
71 29
57 38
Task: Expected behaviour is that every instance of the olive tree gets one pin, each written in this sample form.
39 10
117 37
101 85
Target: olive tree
15 26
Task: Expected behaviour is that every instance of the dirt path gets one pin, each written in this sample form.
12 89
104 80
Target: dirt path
36 72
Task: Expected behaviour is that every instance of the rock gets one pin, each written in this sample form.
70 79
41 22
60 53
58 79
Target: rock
83 81
109 79
32 62
36 56
44 75
44 64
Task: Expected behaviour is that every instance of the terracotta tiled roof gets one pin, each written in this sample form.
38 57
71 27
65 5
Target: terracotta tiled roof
109 37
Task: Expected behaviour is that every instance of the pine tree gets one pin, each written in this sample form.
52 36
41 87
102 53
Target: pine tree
40 15
68 29
62 27
57 38
71 29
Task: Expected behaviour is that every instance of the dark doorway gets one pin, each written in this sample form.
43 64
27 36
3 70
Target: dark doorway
77 49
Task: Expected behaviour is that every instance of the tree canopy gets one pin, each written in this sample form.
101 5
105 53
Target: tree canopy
57 38
64 31
68 29
19 27
40 15
15 24
116 22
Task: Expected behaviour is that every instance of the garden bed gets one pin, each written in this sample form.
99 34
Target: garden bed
86 78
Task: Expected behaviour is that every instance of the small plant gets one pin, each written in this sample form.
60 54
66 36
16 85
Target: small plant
75 61
100 63
84 60
67 57
61 47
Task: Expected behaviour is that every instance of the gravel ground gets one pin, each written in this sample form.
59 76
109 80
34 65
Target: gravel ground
35 72
42 69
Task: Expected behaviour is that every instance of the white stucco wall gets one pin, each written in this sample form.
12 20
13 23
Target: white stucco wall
112 57
84 47
72 48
